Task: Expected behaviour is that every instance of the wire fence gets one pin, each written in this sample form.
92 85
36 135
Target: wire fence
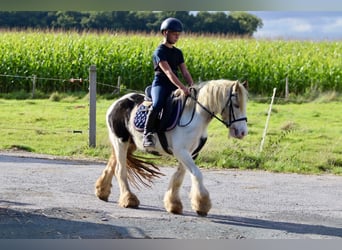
114 88
117 88
84 107
65 107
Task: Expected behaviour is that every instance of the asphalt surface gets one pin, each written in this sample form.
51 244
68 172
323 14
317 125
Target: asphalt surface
42 197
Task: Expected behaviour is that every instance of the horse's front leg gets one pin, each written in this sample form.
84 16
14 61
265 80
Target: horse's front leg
200 199
172 201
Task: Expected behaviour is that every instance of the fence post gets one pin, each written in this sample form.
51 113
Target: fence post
267 121
34 79
286 88
92 106
118 84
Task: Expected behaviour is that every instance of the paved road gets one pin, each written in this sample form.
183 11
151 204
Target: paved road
42 197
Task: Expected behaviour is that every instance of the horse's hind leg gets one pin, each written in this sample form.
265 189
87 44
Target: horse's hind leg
172 201
127 198
116 165
104 182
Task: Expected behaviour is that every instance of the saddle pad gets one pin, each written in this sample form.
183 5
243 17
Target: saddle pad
162 124
140 117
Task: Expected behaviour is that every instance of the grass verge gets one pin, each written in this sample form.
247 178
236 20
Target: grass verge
301 138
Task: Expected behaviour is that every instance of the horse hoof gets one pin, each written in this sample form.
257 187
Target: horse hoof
103 198
131 205
176 211
175 208
201 213
129 201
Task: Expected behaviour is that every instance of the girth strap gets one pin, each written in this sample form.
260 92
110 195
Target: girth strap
163 142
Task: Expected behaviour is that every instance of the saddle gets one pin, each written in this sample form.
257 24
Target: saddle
167 119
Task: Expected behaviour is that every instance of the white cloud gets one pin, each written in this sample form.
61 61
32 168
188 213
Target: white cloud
300 25
284 27
333 26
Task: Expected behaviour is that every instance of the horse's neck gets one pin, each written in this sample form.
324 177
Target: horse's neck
211 101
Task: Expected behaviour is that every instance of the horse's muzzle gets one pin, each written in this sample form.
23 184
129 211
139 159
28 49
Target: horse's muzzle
238 133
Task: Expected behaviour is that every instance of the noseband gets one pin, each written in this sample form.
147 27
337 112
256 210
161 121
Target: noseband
229 104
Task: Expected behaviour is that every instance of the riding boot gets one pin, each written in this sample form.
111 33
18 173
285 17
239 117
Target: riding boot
150 128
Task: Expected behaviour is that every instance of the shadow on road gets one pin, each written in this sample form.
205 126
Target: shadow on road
289 227
15 224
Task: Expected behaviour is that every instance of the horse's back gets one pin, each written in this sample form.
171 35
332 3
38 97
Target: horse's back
118 114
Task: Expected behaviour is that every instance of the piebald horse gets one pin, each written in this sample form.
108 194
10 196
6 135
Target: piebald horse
216 97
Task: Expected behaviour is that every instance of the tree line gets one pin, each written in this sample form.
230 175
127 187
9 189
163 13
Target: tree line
227 23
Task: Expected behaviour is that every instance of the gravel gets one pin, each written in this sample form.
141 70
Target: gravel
44 197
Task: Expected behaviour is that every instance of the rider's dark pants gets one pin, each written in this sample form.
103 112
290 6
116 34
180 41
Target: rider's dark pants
159 96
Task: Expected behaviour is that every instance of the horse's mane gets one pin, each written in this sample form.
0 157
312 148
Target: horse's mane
213 94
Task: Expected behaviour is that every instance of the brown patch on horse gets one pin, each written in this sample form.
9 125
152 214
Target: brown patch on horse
120 115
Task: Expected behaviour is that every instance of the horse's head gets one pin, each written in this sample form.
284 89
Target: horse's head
228 98
234 112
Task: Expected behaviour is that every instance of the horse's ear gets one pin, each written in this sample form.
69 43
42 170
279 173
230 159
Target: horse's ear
245 84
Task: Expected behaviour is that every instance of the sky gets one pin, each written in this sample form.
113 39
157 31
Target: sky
300 25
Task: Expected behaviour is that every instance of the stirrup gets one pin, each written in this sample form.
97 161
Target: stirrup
148 140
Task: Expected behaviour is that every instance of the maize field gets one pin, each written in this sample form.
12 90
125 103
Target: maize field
264 63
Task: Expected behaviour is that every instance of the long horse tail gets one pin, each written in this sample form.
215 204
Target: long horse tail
140 170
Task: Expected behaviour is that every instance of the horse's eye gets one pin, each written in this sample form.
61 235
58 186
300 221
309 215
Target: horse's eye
236 103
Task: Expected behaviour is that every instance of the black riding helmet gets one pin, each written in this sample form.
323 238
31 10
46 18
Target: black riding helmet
172 24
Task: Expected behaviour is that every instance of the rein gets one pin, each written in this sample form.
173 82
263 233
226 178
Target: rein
193 110
229 104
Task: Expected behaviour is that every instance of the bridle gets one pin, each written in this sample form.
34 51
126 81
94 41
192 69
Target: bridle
228 104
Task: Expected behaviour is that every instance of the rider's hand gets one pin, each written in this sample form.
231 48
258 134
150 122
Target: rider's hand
186 91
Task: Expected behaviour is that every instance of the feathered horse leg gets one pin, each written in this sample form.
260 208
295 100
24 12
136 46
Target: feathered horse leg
103 184
200 199
137 171
172 201
116 166
127 198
